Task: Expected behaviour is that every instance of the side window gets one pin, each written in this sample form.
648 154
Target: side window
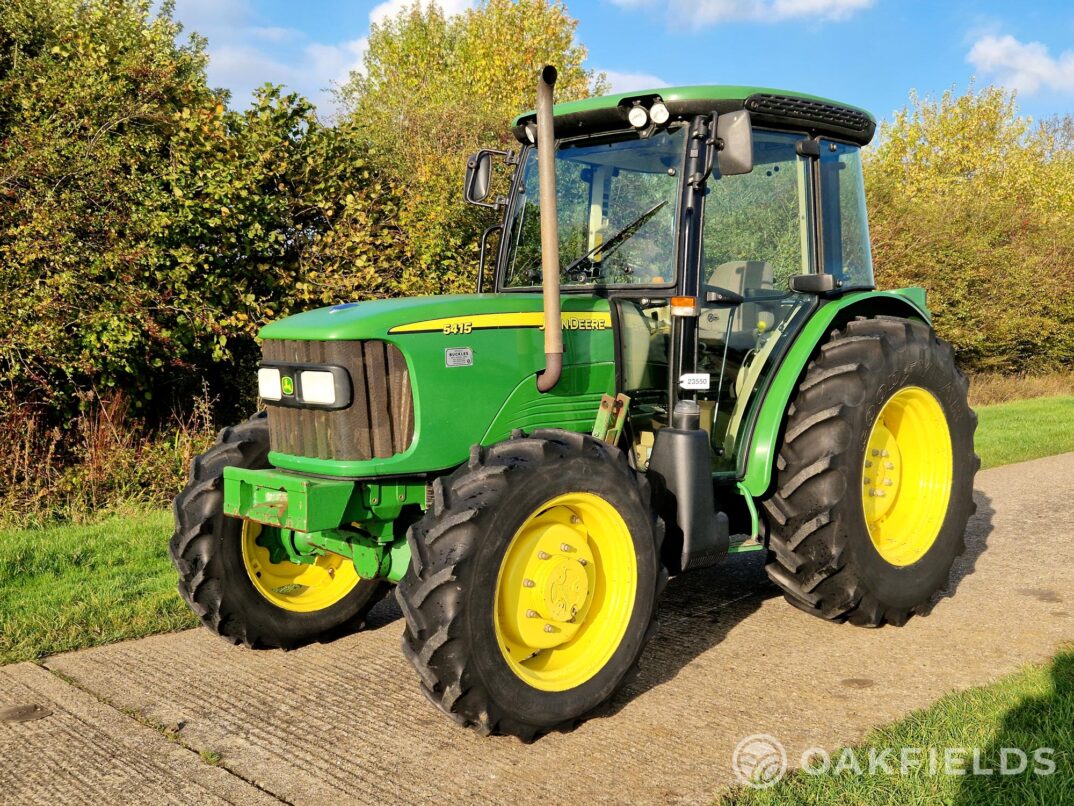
843 215
757 233
761 218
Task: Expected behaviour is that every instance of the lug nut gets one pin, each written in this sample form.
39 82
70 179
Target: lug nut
868 463
888 482
884 453
532 614
876 452
867 482
566 547
528 583
543 555
878 493
549 628
582 561
889 465
575 519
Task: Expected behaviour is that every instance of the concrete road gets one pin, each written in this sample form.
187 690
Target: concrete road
345 722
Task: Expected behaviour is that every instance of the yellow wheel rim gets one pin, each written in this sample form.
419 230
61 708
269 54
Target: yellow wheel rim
565 592
298 587
906 476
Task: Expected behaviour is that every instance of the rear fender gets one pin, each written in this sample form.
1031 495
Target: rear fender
767 431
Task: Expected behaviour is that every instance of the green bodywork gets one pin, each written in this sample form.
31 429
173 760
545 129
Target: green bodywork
309 513
360 509
459 406
764 438
481 403
700 92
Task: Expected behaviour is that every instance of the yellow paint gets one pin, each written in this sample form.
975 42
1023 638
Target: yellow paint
296 587
907 475
565 592
455 325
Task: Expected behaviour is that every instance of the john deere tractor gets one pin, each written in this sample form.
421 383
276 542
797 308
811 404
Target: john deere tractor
681 355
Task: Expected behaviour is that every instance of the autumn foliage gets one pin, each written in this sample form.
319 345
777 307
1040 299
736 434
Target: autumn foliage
148 227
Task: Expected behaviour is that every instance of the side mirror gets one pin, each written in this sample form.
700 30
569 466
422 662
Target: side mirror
734 131
475 186
818 284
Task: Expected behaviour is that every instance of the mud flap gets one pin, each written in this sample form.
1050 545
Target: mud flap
680 471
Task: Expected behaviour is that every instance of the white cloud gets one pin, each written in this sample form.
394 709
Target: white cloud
711 12
276 34
1025 66
245 52
630 82
390 8
211 17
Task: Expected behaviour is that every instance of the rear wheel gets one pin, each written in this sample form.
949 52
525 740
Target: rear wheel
533 583
235 575
875 476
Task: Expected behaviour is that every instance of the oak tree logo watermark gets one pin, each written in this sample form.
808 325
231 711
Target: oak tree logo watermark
760 761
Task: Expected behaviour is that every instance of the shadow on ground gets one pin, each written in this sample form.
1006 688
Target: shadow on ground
978 531
699 609
1036 729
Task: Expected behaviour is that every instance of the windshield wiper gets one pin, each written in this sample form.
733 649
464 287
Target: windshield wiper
617 240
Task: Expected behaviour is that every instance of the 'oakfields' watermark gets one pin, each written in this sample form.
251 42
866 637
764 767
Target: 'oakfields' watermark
760 761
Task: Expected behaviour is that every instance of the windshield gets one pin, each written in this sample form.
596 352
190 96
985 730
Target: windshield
617 199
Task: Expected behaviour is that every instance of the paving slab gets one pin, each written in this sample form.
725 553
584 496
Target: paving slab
345 723
75 749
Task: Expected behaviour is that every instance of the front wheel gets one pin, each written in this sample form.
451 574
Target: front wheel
875 476
235 575
533 583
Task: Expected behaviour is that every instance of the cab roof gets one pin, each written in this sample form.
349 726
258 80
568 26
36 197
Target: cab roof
771 107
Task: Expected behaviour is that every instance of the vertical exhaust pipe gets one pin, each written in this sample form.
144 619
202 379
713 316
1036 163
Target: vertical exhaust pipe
546 174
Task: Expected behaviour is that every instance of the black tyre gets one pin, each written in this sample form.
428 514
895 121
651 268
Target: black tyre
217 567
533 583
874 476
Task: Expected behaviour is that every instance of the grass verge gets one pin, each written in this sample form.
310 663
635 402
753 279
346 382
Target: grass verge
1025 429
990 387
68 587
1030 710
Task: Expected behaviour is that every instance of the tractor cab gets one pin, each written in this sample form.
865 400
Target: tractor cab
742 208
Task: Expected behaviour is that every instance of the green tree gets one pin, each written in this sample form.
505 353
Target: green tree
972 201
89 94
434 89
146 231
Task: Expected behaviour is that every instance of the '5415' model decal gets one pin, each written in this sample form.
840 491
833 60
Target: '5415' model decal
454 325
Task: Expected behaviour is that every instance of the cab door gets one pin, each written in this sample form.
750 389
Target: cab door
757 232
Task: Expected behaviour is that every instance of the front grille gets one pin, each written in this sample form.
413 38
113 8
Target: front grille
380 420
817 113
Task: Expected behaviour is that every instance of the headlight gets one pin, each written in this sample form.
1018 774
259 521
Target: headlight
659 113
638 117
268 384
318 387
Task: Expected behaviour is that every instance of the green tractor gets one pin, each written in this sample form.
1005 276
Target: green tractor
683 355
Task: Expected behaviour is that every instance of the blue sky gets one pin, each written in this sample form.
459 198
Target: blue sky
866 52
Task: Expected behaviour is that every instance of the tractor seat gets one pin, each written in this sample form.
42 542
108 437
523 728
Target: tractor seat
738 276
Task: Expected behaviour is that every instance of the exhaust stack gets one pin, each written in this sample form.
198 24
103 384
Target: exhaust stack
546 173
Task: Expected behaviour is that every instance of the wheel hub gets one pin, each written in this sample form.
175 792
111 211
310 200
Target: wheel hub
299 587
562 587
883 470
565 591
907 475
